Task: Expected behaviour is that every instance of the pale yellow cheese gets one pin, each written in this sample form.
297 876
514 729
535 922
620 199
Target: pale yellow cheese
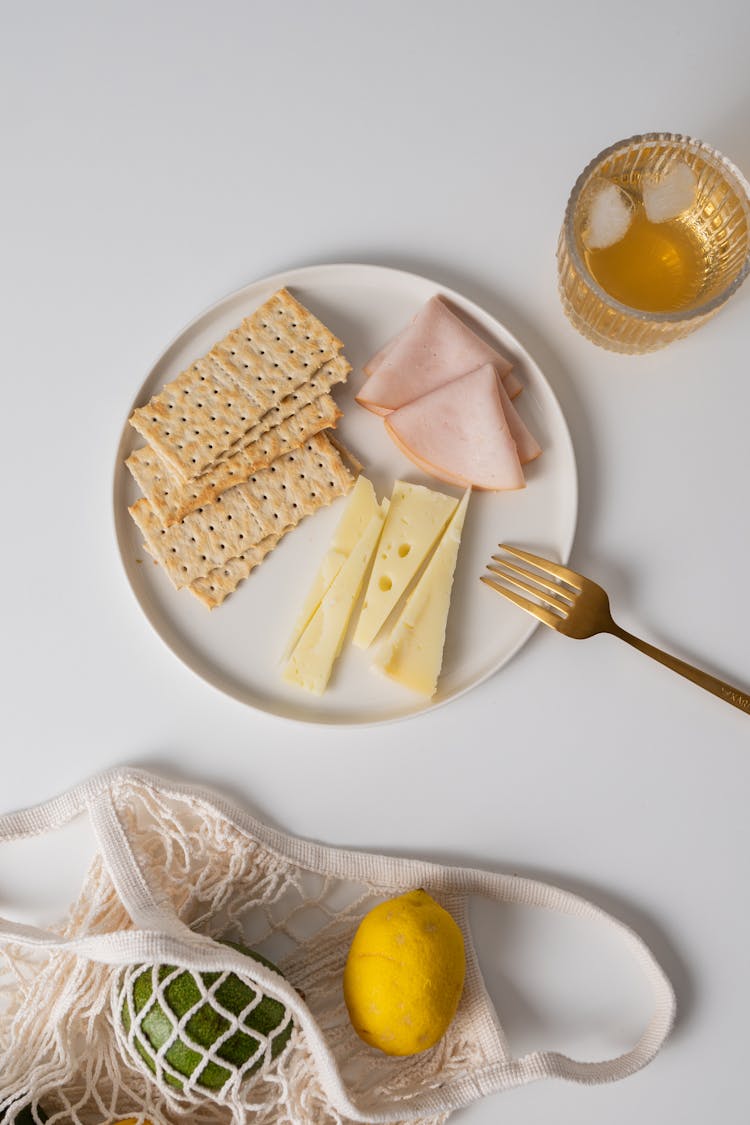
415 520
311 662
361 506
413 654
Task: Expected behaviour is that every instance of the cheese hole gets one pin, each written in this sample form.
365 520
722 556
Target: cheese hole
385 583
404 549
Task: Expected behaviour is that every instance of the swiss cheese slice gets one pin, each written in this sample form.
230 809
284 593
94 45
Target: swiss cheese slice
414 523
413 654
312 659
361 506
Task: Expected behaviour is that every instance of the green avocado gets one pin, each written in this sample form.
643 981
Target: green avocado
187 1054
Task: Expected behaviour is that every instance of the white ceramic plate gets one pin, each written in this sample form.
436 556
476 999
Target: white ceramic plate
238 646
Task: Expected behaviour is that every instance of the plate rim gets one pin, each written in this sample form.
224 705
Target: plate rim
291 277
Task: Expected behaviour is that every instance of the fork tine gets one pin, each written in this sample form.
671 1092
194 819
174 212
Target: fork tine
553 588
555 569
542 614
518 583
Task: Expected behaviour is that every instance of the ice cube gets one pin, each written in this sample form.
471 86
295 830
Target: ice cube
671 194
609 214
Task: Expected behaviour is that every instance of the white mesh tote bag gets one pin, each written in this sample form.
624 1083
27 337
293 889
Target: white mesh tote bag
178 874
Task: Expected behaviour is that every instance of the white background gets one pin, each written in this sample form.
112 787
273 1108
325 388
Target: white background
157 156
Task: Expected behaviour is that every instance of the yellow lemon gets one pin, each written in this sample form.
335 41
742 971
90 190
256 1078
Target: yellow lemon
404 974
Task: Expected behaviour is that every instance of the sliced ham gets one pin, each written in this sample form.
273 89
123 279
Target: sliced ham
526 444
373 364
461 433
434 349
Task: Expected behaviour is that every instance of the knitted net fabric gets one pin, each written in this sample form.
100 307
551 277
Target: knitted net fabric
178 873
61 1039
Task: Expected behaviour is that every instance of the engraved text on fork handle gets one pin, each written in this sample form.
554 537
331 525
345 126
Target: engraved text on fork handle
717 687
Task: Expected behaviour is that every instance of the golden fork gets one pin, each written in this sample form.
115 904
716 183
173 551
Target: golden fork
579 608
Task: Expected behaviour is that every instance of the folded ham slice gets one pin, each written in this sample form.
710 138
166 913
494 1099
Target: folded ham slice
466 432
373 364
434 349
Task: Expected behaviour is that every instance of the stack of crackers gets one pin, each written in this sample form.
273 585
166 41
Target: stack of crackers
239 449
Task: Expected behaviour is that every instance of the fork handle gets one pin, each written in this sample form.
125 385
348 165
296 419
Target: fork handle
717 687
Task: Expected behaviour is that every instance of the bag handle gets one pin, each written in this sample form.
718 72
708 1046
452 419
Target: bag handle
554 1064
35 821
95 797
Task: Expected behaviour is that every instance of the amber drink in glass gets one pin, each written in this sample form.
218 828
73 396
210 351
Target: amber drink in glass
656 237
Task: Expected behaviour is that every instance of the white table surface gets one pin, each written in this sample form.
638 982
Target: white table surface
158 156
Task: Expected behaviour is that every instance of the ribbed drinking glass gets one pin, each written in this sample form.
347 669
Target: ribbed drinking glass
665 279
